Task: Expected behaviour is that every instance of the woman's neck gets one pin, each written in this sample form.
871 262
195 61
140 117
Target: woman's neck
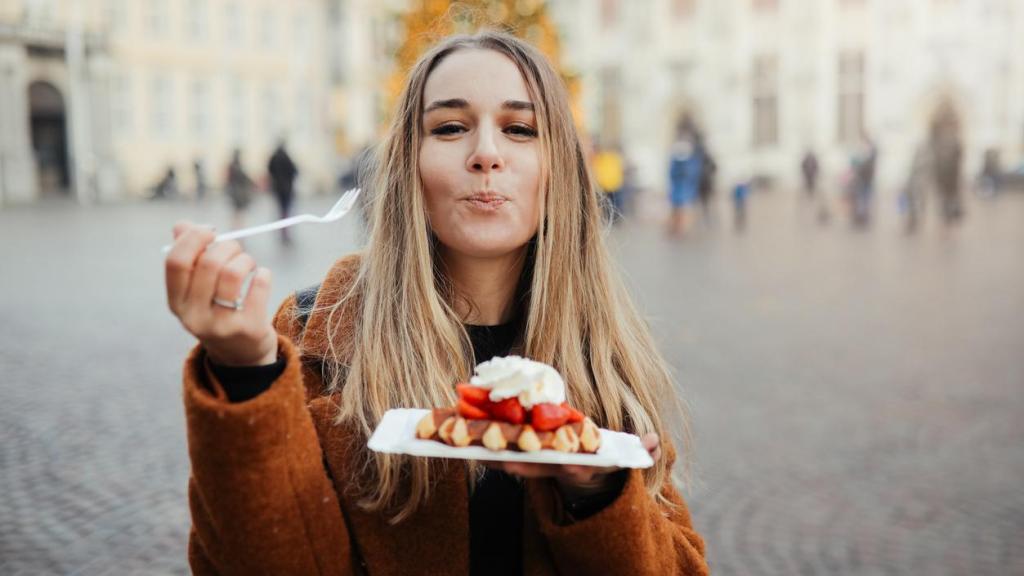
488 283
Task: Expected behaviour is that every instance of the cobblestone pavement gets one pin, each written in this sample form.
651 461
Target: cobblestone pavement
855 396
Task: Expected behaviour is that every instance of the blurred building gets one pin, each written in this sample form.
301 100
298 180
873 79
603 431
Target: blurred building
766 79
99 97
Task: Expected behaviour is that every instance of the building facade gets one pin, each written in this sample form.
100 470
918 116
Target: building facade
98 98
766 80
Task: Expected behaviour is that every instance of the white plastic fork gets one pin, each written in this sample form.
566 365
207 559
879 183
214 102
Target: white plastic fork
340 208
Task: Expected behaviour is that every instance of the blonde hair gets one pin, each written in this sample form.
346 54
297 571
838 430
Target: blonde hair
410 346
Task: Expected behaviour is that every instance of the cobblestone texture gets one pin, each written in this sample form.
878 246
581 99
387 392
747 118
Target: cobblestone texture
856 396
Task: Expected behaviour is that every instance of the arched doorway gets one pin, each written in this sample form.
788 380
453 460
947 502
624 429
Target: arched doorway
49 138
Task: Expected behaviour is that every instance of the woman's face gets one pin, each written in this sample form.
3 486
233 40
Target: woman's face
480 162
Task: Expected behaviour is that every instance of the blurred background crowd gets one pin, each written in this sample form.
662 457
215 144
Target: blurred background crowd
677 99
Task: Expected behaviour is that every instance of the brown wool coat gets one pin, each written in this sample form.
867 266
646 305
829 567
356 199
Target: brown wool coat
267 491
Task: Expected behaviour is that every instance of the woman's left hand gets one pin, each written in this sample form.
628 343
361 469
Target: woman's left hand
575 481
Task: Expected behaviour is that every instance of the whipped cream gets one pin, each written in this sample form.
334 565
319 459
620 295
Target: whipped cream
530 381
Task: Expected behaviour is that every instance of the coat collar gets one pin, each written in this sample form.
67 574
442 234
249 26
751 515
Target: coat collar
316 341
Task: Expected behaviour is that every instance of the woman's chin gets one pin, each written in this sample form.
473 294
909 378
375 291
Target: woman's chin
488 249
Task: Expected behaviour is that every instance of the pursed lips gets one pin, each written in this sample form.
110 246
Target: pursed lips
486 198
485 201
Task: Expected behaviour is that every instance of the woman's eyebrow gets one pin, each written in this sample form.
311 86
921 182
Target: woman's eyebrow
518 105
461 103
449 103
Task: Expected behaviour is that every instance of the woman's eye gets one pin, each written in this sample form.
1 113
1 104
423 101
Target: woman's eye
521 130
447 130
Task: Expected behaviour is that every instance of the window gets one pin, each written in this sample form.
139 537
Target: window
117 15
195 19
268 28
237 101
160 112
337 41
300 29
273 115
157 21
303 111
233 29
851 96
41 11
765 91
121 103
199 110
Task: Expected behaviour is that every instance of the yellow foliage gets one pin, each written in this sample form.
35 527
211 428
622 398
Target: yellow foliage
428 21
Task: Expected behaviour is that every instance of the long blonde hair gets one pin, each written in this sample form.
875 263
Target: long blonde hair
410 346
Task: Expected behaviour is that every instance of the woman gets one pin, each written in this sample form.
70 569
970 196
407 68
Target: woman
240 187
485 240
685 164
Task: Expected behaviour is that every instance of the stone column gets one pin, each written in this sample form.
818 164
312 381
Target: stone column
107 176
17 165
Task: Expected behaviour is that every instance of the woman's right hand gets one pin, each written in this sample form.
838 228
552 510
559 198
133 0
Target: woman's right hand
197 273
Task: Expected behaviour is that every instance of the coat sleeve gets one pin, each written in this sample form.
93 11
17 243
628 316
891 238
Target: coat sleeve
260 497
633 535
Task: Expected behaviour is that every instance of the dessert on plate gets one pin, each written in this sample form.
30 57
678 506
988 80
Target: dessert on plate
512 403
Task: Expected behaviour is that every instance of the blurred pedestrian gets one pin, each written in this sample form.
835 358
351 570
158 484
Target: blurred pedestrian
357 170
240 190
610 175
809 170
863 165
990 177
199 173
706 186
684 176
740 193
947 155
912 198
282 182
167 187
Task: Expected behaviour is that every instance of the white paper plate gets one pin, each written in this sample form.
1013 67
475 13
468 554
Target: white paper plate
396 434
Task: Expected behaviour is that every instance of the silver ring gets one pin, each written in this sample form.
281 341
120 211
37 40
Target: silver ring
235 304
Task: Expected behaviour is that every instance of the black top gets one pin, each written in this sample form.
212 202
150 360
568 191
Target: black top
496 505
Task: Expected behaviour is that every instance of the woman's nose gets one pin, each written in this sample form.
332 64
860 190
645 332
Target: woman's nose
485 156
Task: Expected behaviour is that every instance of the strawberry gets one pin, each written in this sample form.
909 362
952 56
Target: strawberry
509 410
467 410
547 417
574 414
474 395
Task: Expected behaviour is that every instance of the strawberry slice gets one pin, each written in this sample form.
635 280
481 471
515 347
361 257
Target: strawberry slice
547 417
574 414
467 410
509 410
474 395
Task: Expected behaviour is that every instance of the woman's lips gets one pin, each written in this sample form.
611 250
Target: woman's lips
486 202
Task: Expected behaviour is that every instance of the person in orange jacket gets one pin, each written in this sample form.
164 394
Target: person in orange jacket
486 239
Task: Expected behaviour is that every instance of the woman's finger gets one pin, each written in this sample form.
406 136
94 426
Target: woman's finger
181 261
181 227
207 272
259 292
652 443
232 278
